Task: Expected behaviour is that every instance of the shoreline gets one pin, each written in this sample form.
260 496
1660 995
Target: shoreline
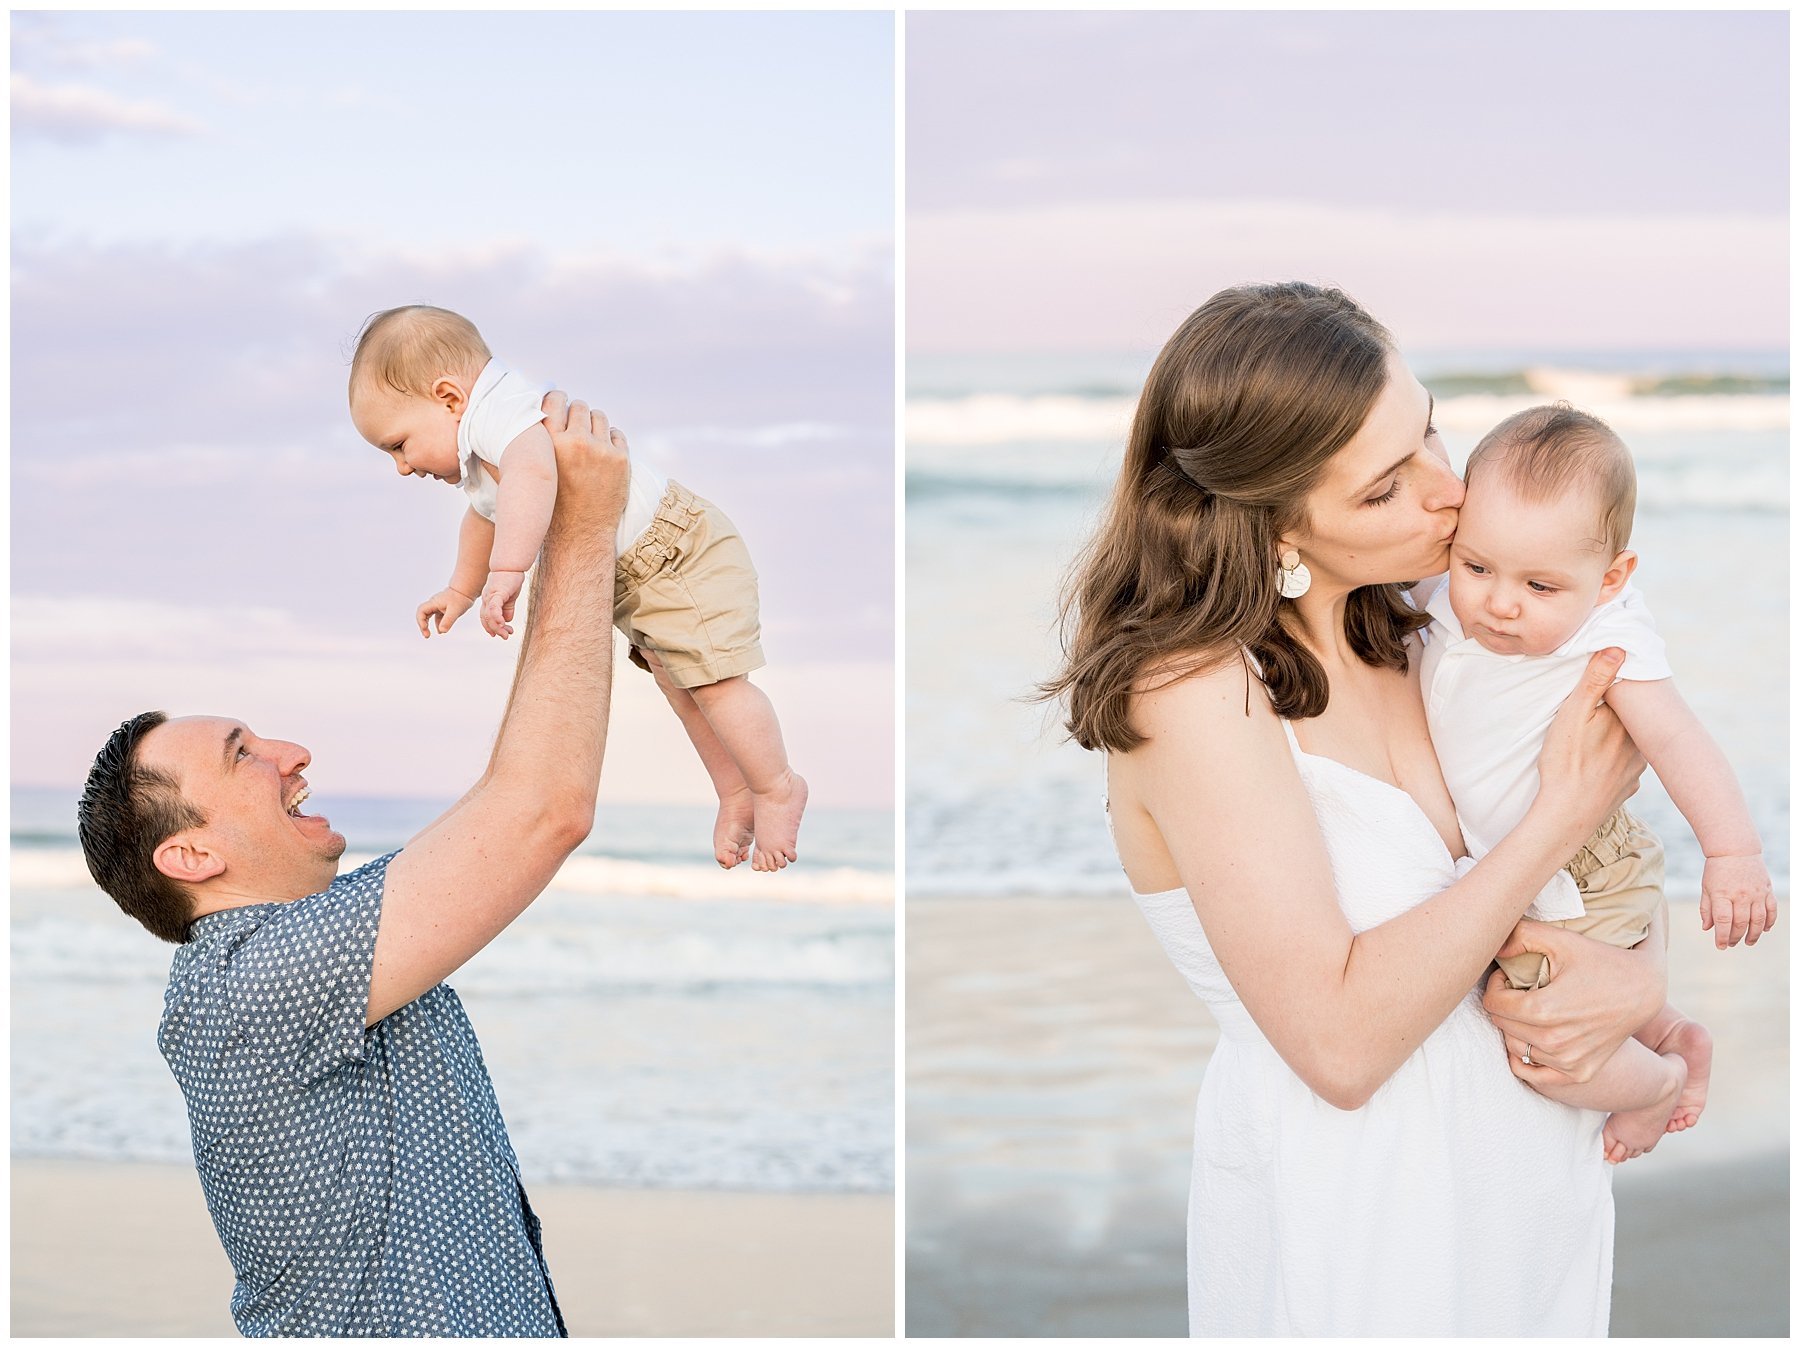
1054 1055
105 1248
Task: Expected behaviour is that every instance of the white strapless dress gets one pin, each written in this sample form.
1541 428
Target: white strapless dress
1457 1201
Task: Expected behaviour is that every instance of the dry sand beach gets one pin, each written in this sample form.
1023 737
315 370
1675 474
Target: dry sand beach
114 1250
1053 1056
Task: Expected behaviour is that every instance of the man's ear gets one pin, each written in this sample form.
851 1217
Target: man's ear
186 860
450 394
1616 575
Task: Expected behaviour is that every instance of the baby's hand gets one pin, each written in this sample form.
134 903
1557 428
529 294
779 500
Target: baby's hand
1736 897
447 604
497 601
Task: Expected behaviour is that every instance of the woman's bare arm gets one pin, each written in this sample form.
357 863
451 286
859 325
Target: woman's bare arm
1343 1009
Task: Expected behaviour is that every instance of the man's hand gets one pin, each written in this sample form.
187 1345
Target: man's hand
593 465
447 605
1736 898
497 602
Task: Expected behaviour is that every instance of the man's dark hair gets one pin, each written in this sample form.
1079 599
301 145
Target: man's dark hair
126 812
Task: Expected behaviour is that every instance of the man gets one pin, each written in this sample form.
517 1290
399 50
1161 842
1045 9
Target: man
347 1136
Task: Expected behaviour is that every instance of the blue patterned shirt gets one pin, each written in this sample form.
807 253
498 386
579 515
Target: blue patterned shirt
360 1179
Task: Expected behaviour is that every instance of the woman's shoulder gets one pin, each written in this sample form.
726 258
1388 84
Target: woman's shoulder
1214 693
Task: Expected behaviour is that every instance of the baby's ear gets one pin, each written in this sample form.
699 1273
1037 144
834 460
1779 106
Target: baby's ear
451 394
1616 575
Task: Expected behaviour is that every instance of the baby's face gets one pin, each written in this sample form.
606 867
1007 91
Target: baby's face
417 433
1524 575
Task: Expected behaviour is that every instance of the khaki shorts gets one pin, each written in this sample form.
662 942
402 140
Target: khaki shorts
687 593
1619 872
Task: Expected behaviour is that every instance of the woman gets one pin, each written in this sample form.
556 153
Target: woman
1365 1162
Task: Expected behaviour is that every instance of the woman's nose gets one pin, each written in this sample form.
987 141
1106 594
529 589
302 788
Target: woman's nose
1445 491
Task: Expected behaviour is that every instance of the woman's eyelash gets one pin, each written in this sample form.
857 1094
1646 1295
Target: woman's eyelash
1385 496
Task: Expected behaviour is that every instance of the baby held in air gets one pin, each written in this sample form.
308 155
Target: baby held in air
425 390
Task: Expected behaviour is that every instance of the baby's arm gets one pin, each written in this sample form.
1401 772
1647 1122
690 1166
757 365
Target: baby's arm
1736 896
523 502
473 543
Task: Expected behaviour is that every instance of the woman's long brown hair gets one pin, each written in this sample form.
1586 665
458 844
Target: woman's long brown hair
1241 412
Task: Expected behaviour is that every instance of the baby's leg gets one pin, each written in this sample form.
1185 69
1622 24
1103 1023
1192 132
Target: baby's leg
1672 1032
1640 1086
743 718
732 829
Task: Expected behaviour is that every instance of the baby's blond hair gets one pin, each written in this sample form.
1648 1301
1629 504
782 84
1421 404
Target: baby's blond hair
1545 452
411 347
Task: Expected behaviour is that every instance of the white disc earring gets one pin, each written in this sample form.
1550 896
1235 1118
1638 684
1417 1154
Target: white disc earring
1296 580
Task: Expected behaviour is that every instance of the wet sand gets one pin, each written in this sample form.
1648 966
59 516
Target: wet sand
103 1249
1053 1059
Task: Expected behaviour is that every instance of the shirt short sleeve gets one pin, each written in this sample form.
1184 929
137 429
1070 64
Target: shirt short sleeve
298 986
499 415
1627 624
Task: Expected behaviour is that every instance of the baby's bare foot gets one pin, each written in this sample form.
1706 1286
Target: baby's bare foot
732 830
1630 1133
1689 1040
777 821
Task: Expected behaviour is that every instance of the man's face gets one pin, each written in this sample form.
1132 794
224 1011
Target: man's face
250 790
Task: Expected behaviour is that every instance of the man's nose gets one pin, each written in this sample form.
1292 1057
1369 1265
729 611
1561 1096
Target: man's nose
289 757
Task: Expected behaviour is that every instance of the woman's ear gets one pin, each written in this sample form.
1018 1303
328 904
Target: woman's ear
1616 576
187 860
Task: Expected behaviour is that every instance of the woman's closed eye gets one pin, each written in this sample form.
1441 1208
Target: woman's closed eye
1388 495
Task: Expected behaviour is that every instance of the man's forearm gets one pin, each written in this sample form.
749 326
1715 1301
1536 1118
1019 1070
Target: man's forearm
553 732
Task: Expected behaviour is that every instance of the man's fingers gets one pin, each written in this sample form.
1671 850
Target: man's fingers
556 411
602 428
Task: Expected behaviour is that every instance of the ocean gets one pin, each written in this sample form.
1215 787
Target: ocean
1008 463
650 1021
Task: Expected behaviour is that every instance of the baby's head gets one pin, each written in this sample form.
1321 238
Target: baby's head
1541 539
409 386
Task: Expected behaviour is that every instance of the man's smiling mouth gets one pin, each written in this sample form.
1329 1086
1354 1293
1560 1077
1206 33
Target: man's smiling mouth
293 806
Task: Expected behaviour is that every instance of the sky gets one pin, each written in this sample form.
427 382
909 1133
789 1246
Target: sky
686 219
1081 181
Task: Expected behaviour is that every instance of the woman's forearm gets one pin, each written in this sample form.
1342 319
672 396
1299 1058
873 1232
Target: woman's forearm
1436 952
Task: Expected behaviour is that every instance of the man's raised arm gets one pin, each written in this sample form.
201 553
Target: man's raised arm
461 881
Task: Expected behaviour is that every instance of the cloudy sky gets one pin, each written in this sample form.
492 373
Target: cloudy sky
1080 181
687 219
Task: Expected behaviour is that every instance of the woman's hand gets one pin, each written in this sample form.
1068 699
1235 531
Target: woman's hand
1597 998
1588 766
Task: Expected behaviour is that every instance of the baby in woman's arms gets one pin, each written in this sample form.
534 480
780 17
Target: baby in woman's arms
425 390
1539 580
